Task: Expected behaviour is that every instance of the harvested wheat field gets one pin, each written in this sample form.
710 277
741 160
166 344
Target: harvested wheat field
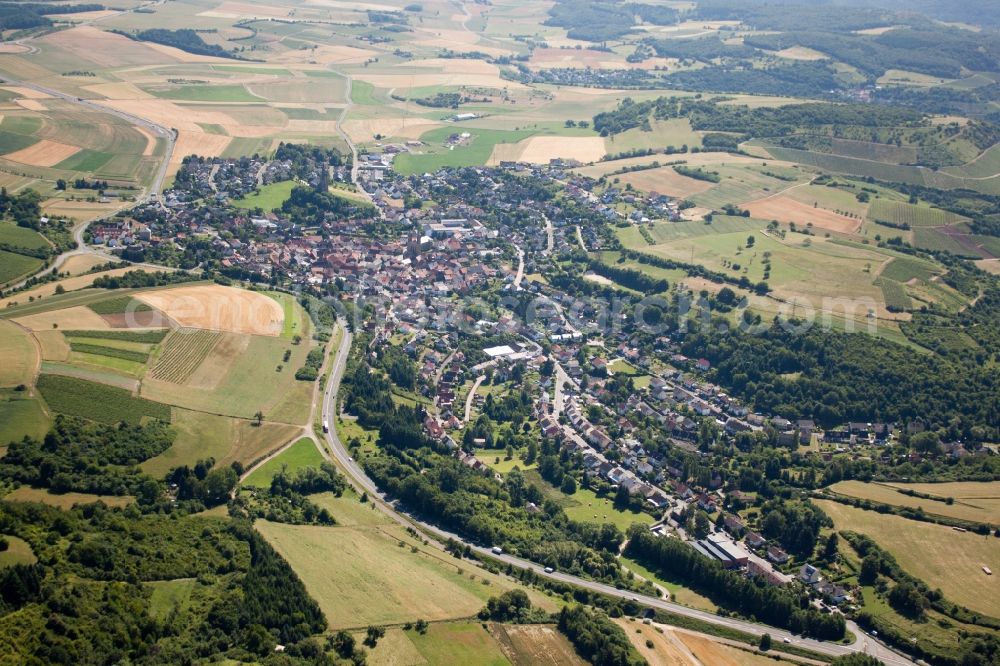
79 17
710 652
80 209
184 56
45 153
78 318
81 263
31 104
665 180
216 363
53 344
27 93
196 143
219 308
118 90
541 149
666 650
989 265
102 48
68 284
18 355
150 141
316 126
454 66
785 209
188 118
243 10
326 55
536 644
65 500
404 128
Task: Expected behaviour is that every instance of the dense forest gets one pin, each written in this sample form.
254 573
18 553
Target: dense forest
598 21
596 637
835 377
848 15
937 52
84 602
307 158
23 15
310 207
85 457
184 39
714 115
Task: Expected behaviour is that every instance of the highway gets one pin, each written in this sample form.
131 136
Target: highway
360 480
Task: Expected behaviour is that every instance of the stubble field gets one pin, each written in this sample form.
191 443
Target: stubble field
18 356
973 501
218 308
374 579
938 555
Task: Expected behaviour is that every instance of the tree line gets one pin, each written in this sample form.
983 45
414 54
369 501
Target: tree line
677 561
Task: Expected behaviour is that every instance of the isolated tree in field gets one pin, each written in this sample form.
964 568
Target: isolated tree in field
258 418
342 643
373 635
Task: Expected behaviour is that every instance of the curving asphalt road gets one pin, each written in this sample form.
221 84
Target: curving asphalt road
864 644
355 164
520 267
155 187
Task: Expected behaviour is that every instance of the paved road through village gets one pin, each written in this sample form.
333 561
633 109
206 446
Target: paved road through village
357 476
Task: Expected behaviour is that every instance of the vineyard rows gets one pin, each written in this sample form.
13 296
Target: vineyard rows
183 352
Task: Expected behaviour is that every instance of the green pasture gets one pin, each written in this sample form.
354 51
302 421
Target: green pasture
13 266
436 156
205 93
266 198
299 455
